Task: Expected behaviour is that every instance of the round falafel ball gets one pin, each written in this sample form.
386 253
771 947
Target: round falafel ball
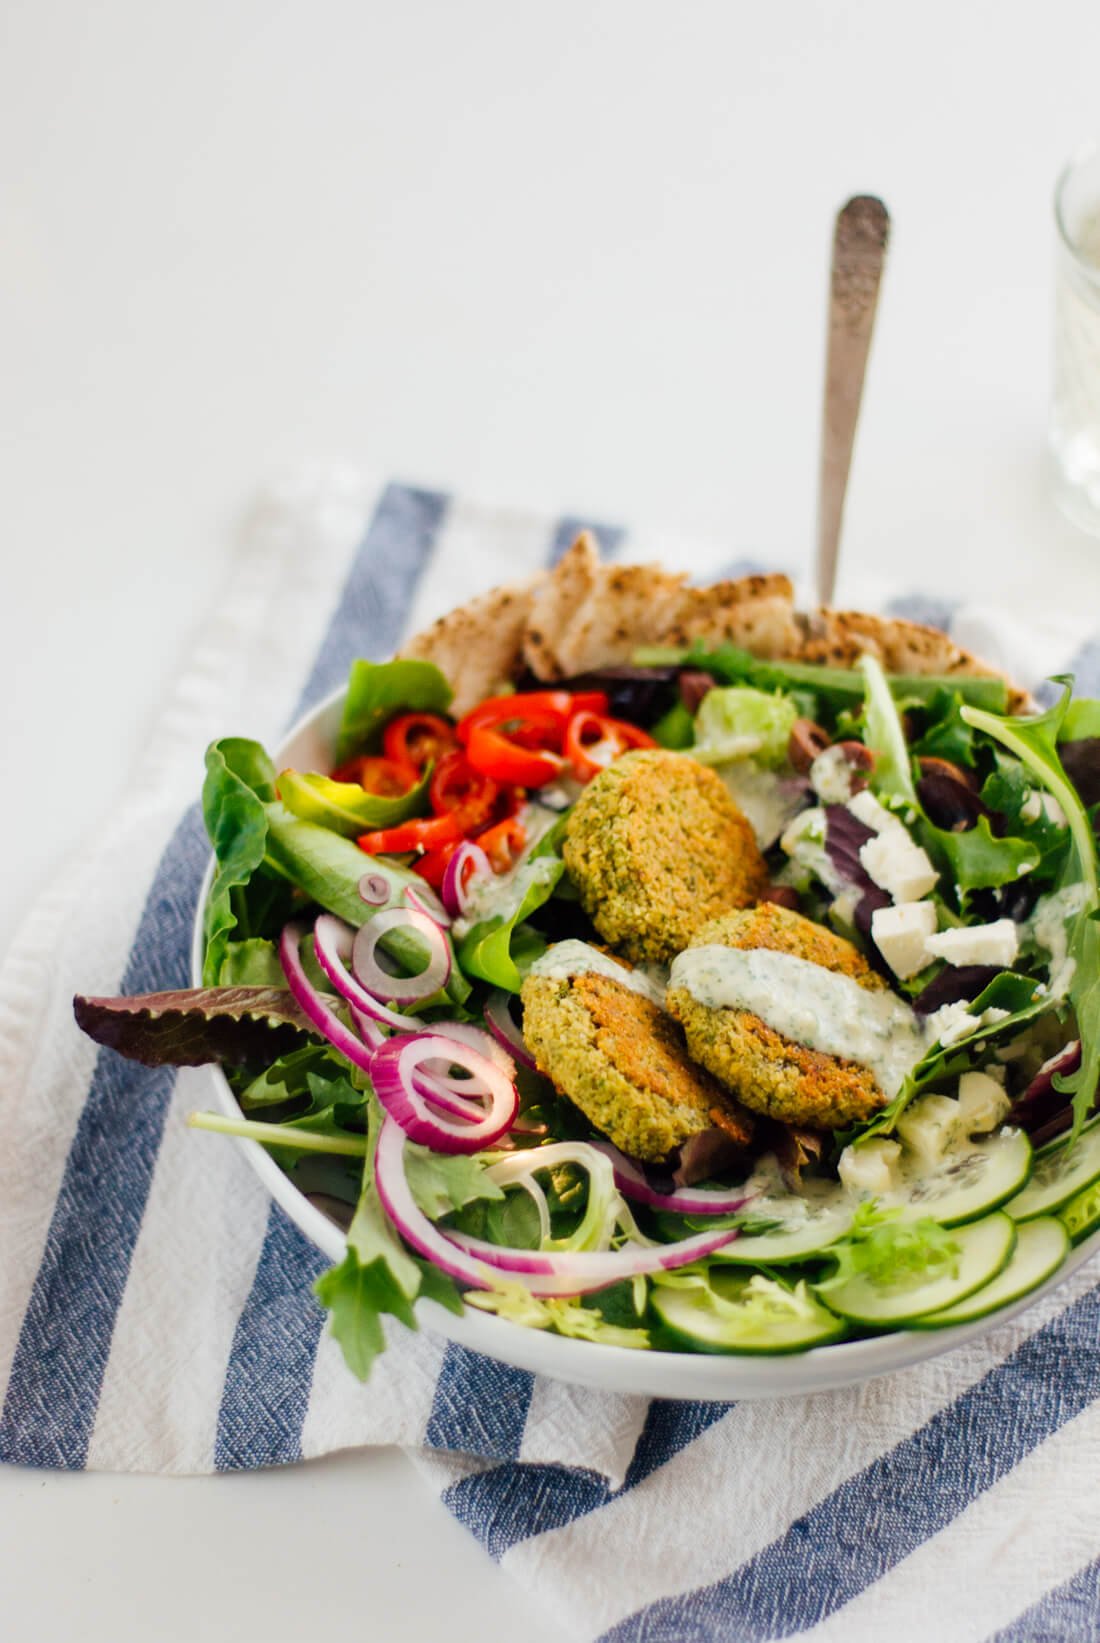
622 1061
656 847
768 1072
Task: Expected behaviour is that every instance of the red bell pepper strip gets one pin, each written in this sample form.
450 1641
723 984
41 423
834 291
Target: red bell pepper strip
592 742
503 842
495 755
552 708
386 778
427 834
418 739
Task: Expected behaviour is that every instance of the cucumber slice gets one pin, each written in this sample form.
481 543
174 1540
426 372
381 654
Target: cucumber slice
969 1181
1059 1174
984 1248
1041 1247
796 1238
738 1312
1082 1214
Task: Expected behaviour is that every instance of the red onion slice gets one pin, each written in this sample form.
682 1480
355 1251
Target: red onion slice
499 1020
394 1076
332 942
374 889
574 1273
456 884
323 1018
381 984
423 899
631 1182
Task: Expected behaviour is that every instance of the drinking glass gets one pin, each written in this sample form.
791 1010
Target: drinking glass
1074 429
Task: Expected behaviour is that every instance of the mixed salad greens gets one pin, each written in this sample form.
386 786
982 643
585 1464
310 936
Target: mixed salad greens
368 930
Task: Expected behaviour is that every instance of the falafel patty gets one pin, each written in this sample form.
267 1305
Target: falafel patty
770 1073
656 847
622 1061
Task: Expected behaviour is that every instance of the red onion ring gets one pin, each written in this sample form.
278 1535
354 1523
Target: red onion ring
374 889
332 941
631 1182
327 1023
568 1273
424 900
455 887
381 984
393 1074
498 1019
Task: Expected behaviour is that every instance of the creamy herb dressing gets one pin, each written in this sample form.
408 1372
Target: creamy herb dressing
498 895
576 958
769 801
1047 927
810 1005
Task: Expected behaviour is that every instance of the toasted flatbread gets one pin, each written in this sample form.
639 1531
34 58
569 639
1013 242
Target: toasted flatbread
584 614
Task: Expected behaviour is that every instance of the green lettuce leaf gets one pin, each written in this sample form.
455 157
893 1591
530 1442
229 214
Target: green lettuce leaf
240 781
738 722
945 733
891 1251
344 807
1082 719
378 691
564 1316
498 949
674 729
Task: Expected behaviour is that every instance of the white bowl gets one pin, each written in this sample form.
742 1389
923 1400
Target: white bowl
614 1368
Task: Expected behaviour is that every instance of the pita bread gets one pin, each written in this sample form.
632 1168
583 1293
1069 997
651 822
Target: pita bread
584 614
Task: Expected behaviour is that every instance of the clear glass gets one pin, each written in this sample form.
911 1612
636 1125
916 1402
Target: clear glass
1074 430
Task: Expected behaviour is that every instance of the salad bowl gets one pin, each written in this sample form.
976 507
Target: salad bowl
653 1373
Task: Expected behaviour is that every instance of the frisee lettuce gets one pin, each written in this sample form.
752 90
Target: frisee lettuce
891 1252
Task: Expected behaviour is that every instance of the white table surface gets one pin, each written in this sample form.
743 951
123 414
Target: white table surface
568 255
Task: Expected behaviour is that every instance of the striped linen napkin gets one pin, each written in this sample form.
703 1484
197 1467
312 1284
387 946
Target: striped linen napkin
155 1307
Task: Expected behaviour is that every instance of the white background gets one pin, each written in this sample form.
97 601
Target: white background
570 255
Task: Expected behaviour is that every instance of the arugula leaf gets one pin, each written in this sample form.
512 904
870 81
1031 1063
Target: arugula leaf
443 1182
1082 720
240 780
193 1026
981 861
946 734
377 691
345 807
512 1220
288 1077
497 949
1034 741
377 1275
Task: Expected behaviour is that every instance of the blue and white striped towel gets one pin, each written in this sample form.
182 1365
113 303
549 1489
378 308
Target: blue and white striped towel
155 1308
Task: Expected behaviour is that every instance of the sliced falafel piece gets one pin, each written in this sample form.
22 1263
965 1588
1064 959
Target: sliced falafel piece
656 847
622 1061
769 1073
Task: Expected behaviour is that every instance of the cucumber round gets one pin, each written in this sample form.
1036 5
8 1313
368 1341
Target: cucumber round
1082 1214
984 1248
969 1181
719 1316
1059 1173
1041 1247
791 1240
